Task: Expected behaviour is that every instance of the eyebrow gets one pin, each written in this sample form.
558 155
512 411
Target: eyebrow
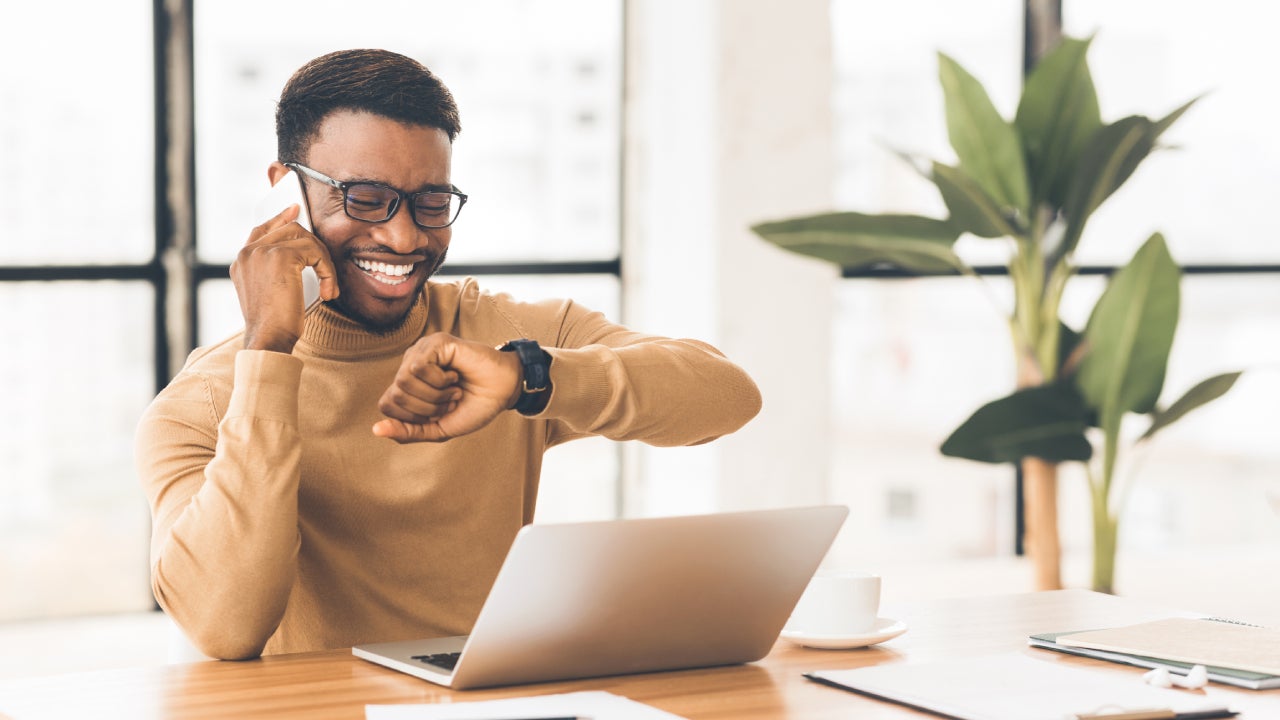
429 187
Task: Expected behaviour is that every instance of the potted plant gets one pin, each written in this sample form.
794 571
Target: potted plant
1033 183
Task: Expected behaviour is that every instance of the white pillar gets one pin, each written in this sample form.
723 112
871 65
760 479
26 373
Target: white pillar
728 123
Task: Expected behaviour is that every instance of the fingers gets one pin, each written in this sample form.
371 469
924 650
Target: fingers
421 391
446 388
282 234
284 217
327 276
315 255
399 405
403 432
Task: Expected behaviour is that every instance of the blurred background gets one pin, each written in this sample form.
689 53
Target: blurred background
617 153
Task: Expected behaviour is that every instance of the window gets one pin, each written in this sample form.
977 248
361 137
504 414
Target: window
1212 191
76 145
914 357
539 98
81 272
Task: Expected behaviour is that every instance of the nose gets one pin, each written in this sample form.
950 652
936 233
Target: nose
400 234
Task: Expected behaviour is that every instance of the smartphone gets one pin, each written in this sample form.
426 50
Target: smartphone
288 191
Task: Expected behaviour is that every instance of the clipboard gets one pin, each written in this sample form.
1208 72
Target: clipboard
1017 686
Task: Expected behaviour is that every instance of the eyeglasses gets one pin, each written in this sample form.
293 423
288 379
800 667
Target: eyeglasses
377 203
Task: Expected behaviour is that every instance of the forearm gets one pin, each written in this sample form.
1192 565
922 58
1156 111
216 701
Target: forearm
225 536
660 391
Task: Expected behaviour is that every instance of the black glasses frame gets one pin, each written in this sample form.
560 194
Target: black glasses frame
400 196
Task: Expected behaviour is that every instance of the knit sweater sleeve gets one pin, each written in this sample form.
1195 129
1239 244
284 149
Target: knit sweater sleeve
224 501
611 381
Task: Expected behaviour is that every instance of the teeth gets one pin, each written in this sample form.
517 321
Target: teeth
384 269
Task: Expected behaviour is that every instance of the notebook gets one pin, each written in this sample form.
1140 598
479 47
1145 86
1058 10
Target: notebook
579 600
1228 676
1234 653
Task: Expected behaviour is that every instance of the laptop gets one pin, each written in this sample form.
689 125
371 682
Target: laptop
578 600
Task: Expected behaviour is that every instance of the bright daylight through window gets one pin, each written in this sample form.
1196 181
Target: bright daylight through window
538 155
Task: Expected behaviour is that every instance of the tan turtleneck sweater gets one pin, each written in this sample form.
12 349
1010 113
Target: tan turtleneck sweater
282 524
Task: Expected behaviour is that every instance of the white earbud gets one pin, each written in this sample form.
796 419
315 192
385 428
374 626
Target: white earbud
1197 678
1159 677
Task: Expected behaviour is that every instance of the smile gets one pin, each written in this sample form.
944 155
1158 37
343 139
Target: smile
384 272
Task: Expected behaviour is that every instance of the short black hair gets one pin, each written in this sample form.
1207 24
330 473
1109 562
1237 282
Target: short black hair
375 81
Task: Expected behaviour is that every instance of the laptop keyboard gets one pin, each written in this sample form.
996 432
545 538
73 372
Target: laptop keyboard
440 660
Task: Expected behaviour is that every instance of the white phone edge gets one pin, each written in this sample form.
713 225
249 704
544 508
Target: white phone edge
285 192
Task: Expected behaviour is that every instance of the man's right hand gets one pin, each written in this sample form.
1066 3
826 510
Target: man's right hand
267 274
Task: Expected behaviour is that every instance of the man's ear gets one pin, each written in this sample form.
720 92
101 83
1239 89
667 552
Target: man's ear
275 171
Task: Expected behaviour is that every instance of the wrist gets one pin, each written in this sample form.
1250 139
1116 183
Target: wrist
278 343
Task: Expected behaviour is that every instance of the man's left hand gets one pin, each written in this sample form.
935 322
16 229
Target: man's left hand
447 387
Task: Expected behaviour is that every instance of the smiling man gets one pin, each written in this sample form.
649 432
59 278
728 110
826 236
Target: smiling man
355 471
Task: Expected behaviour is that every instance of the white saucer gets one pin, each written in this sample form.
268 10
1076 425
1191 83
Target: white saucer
885 629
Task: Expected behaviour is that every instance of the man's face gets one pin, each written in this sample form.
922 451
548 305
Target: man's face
381 266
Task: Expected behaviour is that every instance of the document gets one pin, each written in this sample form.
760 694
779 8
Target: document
595 705
1018 686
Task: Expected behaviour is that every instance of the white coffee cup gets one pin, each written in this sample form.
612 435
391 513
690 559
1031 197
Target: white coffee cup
837 603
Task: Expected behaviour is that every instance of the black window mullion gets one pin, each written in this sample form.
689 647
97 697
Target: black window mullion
174 185
214 271
163 217
893 273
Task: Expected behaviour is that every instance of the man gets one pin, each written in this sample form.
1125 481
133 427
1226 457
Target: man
285 518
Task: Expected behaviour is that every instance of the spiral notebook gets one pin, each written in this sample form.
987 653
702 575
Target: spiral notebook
1190 640
1235 654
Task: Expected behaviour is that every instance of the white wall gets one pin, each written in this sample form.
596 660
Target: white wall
728 124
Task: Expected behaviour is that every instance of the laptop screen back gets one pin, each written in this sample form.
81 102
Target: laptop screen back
588 599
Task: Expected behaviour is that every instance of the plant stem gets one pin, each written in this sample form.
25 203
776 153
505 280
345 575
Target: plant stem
1104 554
1028 279
1051 338
1106 525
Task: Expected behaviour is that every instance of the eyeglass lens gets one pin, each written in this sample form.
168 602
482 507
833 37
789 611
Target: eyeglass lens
375 203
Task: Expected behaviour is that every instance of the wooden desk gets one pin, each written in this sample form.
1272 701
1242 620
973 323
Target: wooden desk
336 685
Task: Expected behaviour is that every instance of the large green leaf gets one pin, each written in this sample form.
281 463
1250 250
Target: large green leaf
1057 115
1165 122
1204 392
854 240
1047 422
1129 335
972 209
987 144
1112 154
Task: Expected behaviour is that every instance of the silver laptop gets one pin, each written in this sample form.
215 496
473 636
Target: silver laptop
580 600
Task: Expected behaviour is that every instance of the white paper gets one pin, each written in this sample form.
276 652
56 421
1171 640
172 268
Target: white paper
594 705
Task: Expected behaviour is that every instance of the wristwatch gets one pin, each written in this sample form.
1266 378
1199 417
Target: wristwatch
535 387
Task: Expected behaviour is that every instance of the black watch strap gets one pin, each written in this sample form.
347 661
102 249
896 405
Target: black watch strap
534 390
